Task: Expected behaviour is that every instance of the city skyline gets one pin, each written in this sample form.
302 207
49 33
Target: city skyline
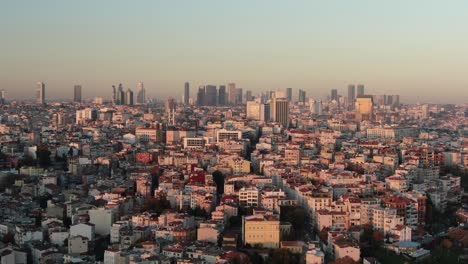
411 49
68 94
225 132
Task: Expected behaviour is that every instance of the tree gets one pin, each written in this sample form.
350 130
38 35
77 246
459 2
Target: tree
235 221
8 238
297 216
27 161
43 156
280 256
323 234
345 260
218 178
198 212
446 243
156 205
377 238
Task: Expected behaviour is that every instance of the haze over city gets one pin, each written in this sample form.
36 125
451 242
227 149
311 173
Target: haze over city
233 132
413 48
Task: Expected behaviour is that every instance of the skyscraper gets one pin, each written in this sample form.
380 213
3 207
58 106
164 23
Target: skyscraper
141 94
222 95
302 96
40 92
238 96
289 94
114 95
232 93
186 93
264 112
211 95
364 108
253 110
360 90
2 97
279 110
129 97
334 95
120 95
170 106
248 96
351 94
77 94
201 96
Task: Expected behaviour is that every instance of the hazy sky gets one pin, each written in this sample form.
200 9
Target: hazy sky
418 49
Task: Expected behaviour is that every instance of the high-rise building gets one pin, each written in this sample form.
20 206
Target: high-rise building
222 95
315 106
248 96
201 96
129 97
264 112
40 92
364 108
141 94
120 95
289 94
302 96
396 100
2 97
114 95
253 110
351 94
279 110
211 95
170 106
77 94
425 111
186 93
238 96
360 90
334 95
232 93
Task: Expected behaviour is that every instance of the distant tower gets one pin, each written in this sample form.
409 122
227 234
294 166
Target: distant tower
425 111
302 96
171 109
264 112
360 90
334 95
201 96
211 95
114 95
351 94
222 95
239 96
2 97
232 93
77 94
186 93
141 94
289 94
279 110
129 97
253 110
364 108
40 92
120 95
248 96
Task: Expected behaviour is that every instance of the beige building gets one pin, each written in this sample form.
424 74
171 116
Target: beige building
364 108
77 245
263 230
249 196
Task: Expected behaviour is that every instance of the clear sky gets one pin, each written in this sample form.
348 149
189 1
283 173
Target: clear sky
417 48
